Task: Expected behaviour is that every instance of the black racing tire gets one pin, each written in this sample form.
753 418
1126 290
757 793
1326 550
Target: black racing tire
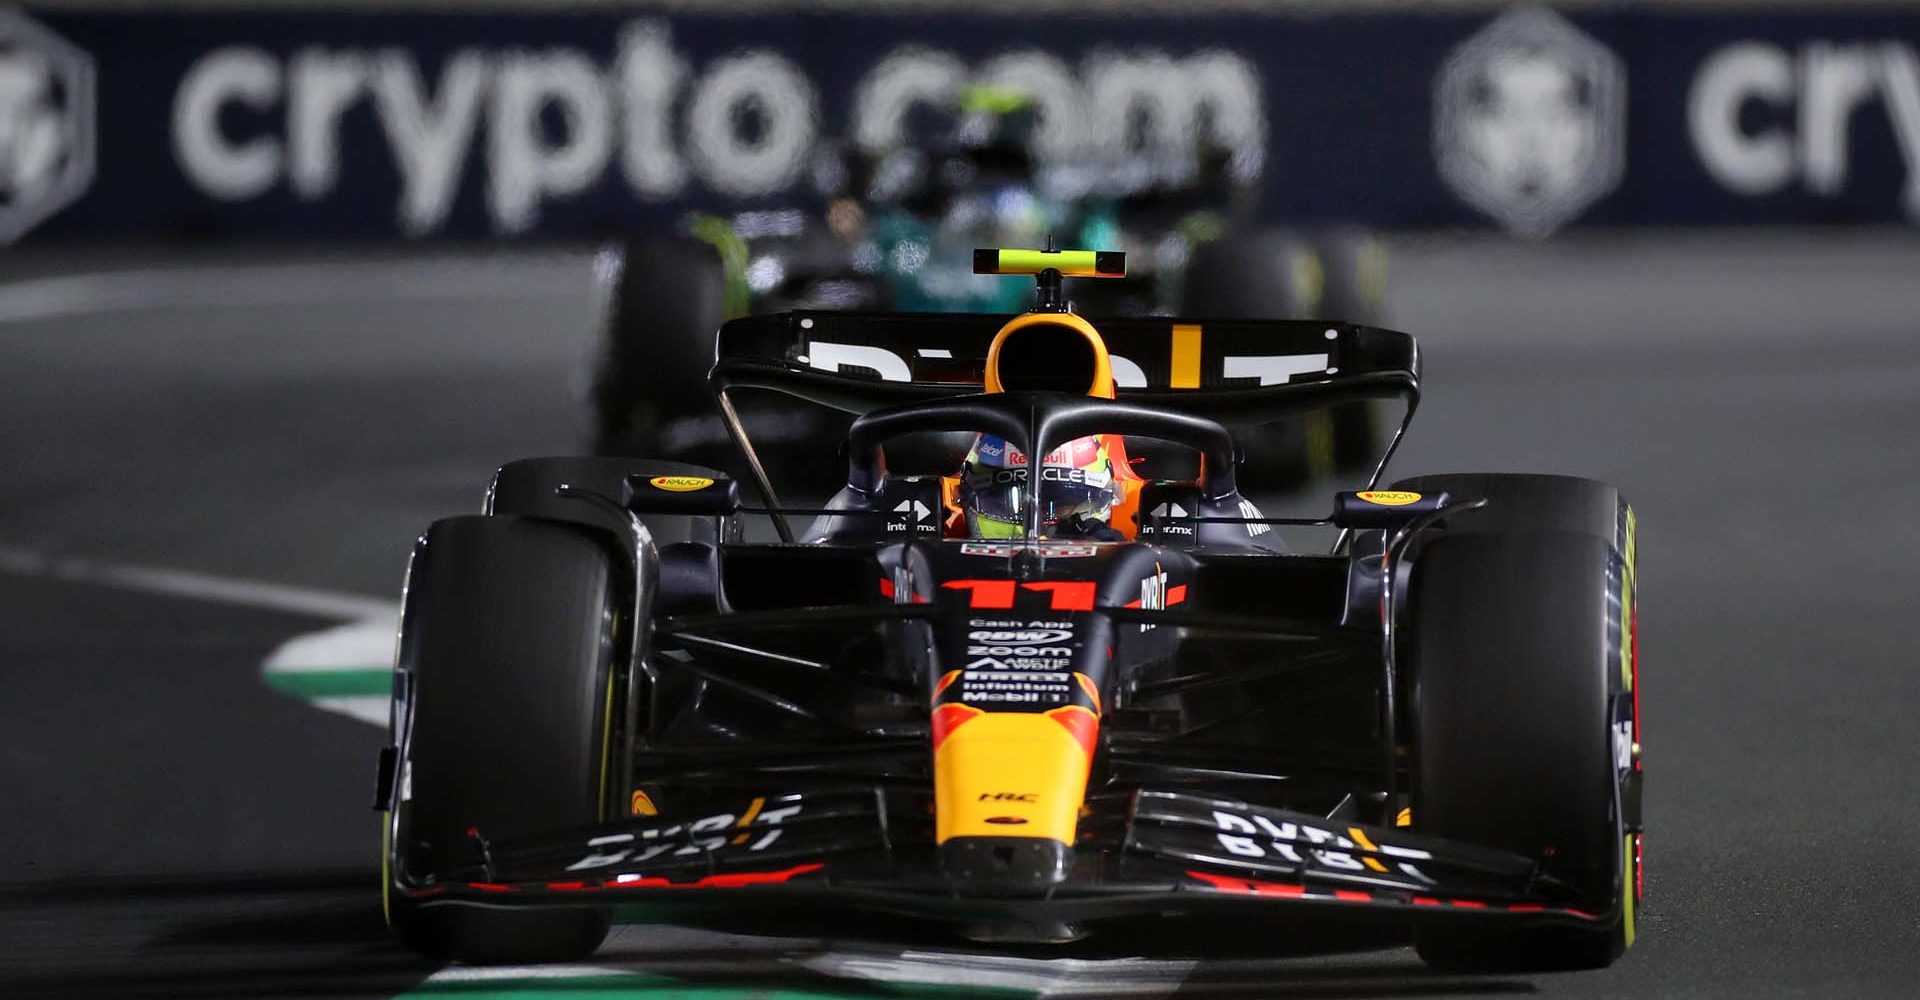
1263 274
1353 269
1519 614
1252 274
507 649
1353 275
663 300
1358 433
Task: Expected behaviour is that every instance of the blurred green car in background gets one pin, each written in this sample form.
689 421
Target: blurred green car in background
897 234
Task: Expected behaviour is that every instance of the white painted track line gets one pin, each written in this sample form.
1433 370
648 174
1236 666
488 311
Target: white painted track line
279 286
194 585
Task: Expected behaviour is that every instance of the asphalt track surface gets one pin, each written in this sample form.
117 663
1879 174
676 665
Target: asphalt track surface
174 828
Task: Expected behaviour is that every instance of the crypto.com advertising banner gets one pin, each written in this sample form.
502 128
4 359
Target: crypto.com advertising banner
333 124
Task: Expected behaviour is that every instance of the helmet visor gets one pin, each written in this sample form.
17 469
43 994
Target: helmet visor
1002 494
982 526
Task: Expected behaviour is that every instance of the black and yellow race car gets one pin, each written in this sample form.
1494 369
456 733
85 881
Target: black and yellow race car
1146 709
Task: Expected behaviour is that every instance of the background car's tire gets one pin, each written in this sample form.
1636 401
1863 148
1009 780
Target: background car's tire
1252 274
664 300
1353 268
1520 663
664 297
1265 274
507 648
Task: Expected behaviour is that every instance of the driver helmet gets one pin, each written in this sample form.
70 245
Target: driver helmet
1075 481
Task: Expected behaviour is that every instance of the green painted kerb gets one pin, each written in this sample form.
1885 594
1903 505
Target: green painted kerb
309 684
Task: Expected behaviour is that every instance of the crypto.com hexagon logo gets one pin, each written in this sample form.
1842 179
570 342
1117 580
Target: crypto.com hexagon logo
46 123
1530 120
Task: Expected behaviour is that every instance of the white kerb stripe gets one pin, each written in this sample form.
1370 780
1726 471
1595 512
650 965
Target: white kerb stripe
290 284
197 586
371 709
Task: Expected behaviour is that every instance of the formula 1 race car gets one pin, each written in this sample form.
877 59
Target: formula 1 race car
1037 730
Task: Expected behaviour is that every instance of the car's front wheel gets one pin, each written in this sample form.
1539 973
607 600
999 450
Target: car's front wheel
506 659
1524 723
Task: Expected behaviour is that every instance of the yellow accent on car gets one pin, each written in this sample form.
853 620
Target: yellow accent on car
746 818
1626 604
1626 889
1405 818
680 484
1186 357
987 527
1389 498
1092 689
641 804
1360 837
1023 765
1070 263
1629 860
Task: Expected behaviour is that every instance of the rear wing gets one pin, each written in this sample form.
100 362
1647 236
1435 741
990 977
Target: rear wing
1234 371
1241 373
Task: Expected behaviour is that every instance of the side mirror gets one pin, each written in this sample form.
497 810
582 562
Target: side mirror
695 496
1383 508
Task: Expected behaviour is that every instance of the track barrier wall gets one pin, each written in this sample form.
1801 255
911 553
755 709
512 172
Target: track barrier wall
369 124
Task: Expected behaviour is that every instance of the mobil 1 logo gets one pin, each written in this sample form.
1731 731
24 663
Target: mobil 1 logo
1016 687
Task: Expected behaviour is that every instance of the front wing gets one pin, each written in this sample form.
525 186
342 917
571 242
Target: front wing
1168 852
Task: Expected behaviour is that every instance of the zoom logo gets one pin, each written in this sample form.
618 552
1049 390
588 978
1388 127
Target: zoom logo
1026 651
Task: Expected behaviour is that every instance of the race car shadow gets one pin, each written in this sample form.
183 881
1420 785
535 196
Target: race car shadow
319 935
1403 978
211 937
850 955
840 970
